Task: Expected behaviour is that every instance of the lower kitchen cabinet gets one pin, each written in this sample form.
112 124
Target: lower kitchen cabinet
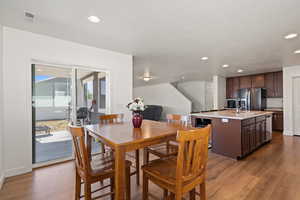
277 121
253 134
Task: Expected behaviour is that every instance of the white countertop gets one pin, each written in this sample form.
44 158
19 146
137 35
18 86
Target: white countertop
230 114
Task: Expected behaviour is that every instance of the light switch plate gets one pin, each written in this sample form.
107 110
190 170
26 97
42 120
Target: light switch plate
225 120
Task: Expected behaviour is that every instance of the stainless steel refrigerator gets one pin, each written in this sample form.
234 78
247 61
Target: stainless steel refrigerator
252 98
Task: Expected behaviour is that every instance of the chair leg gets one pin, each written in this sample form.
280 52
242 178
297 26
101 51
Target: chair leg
128 184
203 191
145 186
193 194
165 194
102 147
77 187
178 196
171 197
137 164
87 191
146 156
112 188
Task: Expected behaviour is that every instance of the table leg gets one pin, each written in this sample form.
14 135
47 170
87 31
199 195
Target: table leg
89 144
119 173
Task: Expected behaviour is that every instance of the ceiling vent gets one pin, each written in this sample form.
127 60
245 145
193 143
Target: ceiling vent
29 16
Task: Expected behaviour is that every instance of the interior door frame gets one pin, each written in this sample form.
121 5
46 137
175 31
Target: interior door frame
74 69
294 106
33 112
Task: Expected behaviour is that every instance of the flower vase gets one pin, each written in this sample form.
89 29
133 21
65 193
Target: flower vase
137 120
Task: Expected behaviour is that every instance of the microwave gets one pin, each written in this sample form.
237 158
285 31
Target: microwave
231 103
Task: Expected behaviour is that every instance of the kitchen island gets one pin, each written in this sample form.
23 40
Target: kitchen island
235 134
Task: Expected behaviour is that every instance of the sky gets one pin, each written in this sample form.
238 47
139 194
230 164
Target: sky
41 77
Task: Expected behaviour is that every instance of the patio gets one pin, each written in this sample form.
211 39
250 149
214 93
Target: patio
55 145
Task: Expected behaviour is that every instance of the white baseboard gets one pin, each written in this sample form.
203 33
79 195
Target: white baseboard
288 133
1 180
17 171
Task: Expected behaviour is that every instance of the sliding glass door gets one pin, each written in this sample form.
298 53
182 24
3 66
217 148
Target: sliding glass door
63 95
52 111
91 98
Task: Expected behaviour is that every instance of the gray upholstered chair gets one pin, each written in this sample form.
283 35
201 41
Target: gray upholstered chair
153 112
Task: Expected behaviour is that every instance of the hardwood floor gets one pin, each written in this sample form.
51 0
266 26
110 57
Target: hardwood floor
272 172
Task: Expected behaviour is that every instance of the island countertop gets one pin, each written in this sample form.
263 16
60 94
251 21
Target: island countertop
232 114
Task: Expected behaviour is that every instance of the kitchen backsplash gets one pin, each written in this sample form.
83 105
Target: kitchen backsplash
274 102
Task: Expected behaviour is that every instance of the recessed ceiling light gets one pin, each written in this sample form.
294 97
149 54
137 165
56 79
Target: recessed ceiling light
291 36
204 58
225 65
240 71
147 78
297 51
94 19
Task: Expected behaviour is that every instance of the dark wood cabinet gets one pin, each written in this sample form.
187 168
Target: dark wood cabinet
269 84
232 87
258 81
277 121
229 87
272 81
253 134
278 84
245 82
274 84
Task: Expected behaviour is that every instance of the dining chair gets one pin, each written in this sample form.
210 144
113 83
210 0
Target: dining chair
116 118
182 174
96 170
169 148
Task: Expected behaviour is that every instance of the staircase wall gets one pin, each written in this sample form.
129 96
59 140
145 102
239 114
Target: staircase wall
166 95
200 94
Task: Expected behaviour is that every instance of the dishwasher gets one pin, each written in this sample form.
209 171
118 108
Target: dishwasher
269 128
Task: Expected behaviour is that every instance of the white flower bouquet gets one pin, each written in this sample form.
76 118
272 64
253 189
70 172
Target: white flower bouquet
137 105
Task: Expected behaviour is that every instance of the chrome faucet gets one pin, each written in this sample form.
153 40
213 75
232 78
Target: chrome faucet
238 106
238 109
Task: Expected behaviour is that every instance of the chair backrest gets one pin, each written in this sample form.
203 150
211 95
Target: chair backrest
110 119
192 153
82 161
179 119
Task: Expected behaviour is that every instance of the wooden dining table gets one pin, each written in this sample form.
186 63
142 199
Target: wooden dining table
122 138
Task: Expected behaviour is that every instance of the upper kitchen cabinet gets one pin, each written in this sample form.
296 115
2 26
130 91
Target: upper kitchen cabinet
272 81
245 82
258 81
232 87
278 84
269 84
274 84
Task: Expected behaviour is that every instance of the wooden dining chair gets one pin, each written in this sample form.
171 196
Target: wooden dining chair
182 174
169 148
116 118
109 119
97 170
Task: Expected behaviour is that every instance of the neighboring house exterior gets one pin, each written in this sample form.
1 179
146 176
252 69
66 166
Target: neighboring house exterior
53 97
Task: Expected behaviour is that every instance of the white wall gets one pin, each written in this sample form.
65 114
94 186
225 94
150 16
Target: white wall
1 112
288 74
200 94
219 92
166 95
20 48
274 102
